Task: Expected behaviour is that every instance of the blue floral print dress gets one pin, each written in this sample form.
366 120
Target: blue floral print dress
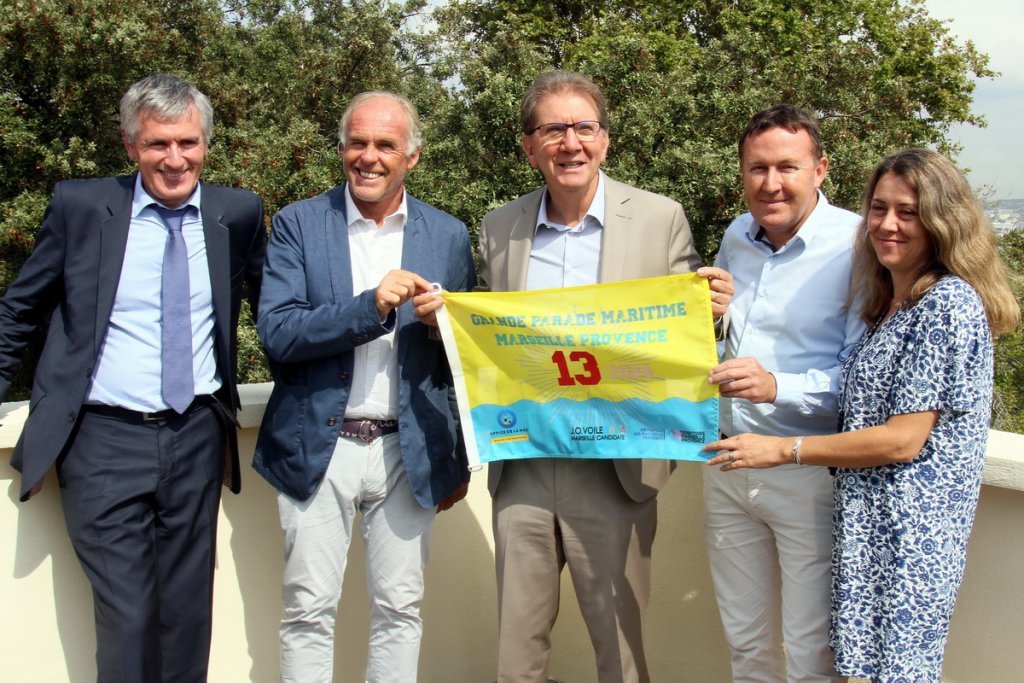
900 531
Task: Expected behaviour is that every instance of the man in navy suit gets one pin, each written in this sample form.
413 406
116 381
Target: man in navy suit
362 419
135 404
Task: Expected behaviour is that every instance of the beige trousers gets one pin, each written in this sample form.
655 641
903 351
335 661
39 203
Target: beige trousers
552 512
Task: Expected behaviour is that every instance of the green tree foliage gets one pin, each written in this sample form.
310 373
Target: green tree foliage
63 68
682 77
1009 409
278 73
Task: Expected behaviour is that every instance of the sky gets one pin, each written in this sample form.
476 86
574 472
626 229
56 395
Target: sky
994 155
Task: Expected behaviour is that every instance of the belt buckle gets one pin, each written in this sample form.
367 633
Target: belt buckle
153 417
366 428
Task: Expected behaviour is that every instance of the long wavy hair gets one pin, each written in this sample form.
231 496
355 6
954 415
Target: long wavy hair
963 241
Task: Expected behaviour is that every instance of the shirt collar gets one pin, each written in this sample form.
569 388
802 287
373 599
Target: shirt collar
142 199
806 232
353 214
594 214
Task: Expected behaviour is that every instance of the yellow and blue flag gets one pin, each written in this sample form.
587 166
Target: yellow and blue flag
616 370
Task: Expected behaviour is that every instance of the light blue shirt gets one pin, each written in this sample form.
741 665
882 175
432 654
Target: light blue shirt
564 256
127 371
790 313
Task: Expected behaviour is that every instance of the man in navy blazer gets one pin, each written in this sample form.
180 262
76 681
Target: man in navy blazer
139 466
362 419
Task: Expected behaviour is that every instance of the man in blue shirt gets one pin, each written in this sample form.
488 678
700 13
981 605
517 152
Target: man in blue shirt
790 330
134 395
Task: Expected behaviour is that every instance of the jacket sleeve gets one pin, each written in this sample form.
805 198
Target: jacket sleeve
257 253
33 294
294 325
683 256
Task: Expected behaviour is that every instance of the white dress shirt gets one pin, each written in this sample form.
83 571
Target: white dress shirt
374 252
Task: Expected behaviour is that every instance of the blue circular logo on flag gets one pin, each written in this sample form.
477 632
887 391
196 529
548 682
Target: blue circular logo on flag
507 419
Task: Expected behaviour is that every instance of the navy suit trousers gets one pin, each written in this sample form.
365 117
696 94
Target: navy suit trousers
140 500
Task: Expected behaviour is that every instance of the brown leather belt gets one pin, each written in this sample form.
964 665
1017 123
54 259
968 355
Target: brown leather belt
367 430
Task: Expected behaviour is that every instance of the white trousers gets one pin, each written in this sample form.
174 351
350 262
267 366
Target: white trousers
368 479
769 539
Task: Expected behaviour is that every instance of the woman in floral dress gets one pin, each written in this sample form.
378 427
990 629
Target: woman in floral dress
915 403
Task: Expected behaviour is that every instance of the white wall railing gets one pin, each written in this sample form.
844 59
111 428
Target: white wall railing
47 625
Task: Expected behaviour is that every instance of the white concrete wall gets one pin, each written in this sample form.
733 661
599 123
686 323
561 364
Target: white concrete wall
46 630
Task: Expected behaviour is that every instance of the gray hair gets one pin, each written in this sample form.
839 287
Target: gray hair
558 83
415 132
166 98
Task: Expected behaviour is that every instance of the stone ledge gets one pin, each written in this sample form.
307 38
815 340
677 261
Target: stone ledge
1004 460
253 396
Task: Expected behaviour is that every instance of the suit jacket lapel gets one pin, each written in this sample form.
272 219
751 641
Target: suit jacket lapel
415 243
416 256
618 223
218 262
415 237
521 242
113 242
335 240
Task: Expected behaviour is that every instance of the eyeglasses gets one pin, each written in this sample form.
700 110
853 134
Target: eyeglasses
586 131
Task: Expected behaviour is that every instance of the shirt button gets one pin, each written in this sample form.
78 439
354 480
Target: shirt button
344 374
331 422
71 417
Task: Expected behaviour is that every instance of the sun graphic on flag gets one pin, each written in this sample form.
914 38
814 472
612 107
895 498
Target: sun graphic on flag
622 374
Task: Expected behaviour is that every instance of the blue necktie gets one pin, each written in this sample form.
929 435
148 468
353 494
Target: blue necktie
176 380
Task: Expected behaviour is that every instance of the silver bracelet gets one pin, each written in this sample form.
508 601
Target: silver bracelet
796 450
